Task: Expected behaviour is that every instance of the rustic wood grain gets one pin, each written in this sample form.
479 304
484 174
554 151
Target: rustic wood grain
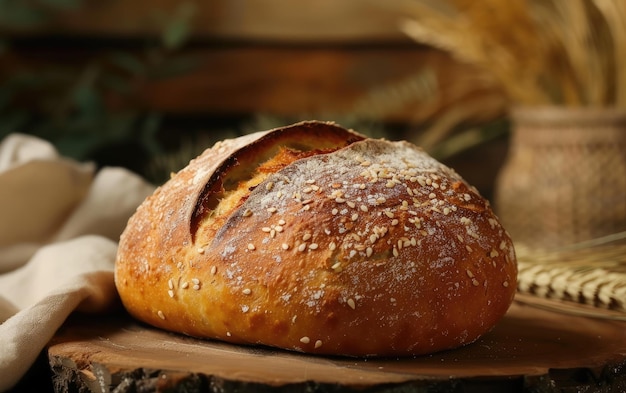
530 350
331 82
278 20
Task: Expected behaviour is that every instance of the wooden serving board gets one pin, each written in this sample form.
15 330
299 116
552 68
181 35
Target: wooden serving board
530 350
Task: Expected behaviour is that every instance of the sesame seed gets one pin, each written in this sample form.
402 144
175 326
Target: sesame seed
390 184
170 293
351 204
170 284
334 212
364 208
475 282
318 343
465 221
472 234
373 238
469 273
161 315
336 267
469 249
251 246
200 250
196 287
352 253
282 222
446 211
184 285
395 252
246 291
340 200
313 246
213 270
432 195
269 186
332 246
351 303
306 236
195 281
494 253
305 340
492 223
389 213
272 210
302 247
369 251
285 246
247 213
394 222
228 334
505 284
354 217
266 229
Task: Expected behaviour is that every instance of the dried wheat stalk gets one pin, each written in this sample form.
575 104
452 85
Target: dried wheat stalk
542 52
591 273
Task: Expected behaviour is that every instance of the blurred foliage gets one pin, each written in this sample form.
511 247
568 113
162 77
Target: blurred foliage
69 104
70 108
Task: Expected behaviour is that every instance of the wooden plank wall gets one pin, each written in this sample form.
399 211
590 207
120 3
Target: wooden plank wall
295 60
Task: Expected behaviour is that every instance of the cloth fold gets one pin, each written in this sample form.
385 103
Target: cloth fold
59 227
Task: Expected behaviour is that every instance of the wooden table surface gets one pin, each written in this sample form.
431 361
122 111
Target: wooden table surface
531 349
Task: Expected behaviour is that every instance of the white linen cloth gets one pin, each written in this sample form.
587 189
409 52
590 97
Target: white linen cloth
59 225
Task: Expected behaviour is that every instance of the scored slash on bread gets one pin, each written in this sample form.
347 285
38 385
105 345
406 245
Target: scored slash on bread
317 239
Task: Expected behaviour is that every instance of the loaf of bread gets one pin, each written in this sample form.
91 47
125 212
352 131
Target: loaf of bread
317 239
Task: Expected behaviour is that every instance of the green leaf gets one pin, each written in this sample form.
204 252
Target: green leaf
178 29
149 129
88 102
17 14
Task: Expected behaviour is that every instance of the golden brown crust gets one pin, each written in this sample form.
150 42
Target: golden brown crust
372 249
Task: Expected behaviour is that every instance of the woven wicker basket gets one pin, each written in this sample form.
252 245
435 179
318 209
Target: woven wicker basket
565 177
